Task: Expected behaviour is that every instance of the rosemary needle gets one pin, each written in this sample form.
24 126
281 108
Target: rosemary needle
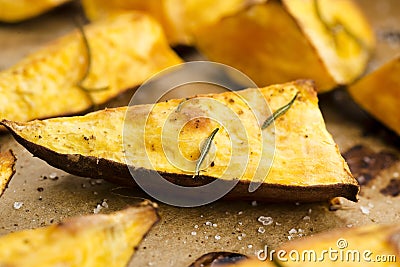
89 63
279 112
204 151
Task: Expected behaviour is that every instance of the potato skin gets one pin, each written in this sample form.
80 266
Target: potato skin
7 169
88 241
125 51
307 164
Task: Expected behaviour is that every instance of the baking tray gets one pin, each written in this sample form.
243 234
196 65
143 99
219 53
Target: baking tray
183 234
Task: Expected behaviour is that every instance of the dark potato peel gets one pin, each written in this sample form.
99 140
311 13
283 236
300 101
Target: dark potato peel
306 165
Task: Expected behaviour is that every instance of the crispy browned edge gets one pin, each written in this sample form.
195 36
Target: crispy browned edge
115 172
11 154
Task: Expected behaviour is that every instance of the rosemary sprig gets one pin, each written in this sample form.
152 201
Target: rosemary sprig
331 28
204 151
279 112
89 63
179 107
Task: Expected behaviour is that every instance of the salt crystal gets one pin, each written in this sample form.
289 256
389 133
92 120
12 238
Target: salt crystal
240 223
194 233
261 230
254 203
53 176
249 246
214 225
240 237
349 225
306 218
209 223
243 234
17 205
196 226
97 209
309 211
265 220
289 237
240 212
364 210
292 231
104 204
217 237
395 174
278 223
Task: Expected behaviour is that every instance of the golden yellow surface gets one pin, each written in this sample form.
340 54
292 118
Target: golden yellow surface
18 10
278 42
7 161
179 18
167 137
125 51
378 93
90 241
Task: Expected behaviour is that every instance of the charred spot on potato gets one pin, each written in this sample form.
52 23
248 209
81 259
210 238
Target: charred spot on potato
365 164
392 189
218 259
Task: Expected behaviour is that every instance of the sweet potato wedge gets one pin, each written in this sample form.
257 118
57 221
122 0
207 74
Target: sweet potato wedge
373 245
279 41
124 51
178 18
378 93
306 163
18 10
91 241
7 162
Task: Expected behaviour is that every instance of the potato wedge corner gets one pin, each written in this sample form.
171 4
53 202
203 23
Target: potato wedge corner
306 163
19 10
178 18
7 169
86 241
378 93
328 41
125 51
372 245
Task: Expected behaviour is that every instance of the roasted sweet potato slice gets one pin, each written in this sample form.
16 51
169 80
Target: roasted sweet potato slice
18 10
373 245
306 163
178 18
91 241
378 93
7 162
279 41
124 51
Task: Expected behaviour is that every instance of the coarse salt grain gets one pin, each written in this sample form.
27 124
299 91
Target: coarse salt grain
265 220
261 230
364 210
97 209
17 205
217 237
